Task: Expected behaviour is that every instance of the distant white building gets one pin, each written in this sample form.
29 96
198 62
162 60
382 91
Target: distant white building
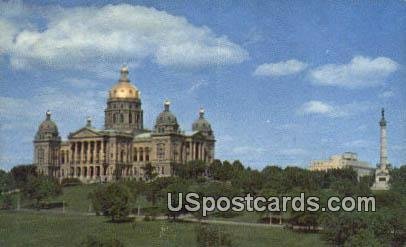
340 161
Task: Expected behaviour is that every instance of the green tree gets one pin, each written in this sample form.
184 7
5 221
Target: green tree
191 170
364 238
220 170
339 227
6 201
398 180
6 181
248 181
21 173
40 188
112 201
273 177
153 190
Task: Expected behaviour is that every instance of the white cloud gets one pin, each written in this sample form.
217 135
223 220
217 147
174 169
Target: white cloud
112 33
315 107
360 72
26 114
248 150
196 85
288 67
387 94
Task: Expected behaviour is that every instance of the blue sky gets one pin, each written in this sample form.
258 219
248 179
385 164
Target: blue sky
282 82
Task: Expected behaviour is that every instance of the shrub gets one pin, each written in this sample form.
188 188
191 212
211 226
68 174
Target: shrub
91 241
210 235
70 182
6 201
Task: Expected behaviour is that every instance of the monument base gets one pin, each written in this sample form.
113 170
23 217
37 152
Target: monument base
381 182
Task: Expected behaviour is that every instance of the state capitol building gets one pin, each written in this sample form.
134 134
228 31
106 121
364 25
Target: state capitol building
123 147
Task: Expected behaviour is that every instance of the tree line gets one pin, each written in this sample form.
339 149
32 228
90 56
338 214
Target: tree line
118 200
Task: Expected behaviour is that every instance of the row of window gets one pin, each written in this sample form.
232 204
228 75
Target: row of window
115 106
119 118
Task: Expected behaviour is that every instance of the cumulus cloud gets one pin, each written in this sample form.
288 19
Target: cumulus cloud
241 150
315 107
112 33
283 68
387 94
196 85
358 73
26 114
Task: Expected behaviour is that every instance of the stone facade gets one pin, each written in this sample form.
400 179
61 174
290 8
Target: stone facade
124 146
341 161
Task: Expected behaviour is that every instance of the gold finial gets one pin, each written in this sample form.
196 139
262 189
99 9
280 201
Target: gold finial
124 73
167 103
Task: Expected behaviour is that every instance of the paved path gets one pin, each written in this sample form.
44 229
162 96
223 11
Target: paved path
235 223
184 218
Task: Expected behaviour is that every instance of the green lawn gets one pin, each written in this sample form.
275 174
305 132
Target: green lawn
75 198
39 229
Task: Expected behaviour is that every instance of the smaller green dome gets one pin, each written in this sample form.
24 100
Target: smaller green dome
201 124
166 121
47 129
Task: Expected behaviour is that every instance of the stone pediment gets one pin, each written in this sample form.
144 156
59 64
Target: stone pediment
84 133
197 135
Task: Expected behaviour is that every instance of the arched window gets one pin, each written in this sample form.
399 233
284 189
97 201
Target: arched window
130 118
121 118
135 155
146 154
141 154
40 156
114 118
122 155
160 151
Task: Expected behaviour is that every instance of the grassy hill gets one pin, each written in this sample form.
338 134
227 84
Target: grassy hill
39 229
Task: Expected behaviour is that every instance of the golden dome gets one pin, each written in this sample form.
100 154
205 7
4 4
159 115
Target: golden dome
123 88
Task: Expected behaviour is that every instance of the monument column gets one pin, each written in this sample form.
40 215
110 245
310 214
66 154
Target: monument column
383 161
382 172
